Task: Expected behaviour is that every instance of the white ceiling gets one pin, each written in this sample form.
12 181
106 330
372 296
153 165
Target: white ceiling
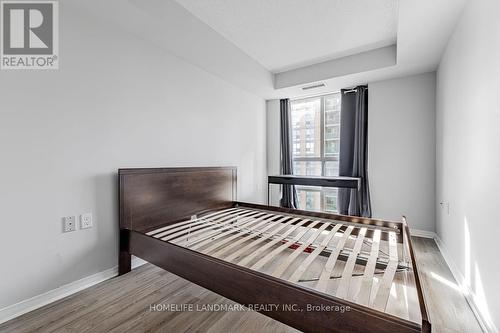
286 34
252 41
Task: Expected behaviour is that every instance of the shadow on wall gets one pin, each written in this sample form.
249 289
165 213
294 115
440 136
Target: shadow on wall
106 209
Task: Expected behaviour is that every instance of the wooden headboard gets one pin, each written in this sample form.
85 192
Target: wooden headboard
157 196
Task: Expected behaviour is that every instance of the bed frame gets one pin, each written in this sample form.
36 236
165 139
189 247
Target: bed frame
155 202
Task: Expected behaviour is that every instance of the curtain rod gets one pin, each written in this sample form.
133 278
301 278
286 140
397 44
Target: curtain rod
350 91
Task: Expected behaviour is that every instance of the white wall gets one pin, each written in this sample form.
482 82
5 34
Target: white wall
401 149
117 101
401 144
468 154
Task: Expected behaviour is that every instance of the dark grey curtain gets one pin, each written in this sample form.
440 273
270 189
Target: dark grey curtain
288 195
353 158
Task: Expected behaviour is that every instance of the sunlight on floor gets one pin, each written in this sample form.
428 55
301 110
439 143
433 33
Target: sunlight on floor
446 282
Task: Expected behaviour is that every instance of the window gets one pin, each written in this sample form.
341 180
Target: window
330 196
316 146
309 197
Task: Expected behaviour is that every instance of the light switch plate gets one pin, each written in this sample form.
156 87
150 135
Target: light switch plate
86 221
69 223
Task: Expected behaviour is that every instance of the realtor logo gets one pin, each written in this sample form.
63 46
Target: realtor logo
29 35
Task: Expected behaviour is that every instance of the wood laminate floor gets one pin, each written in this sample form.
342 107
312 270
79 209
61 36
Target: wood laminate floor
123 304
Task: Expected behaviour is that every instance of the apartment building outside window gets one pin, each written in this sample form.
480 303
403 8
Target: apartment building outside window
316 145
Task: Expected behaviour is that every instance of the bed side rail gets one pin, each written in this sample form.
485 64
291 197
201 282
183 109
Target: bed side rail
409 256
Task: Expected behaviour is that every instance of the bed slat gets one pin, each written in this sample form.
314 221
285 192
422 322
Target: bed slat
295 277
324 278
194 222
211 238
384 288
262 221
288 261
343 287
260 240
280 249
362 295
220 252
261 249
239 223
221 225
205 224
168 227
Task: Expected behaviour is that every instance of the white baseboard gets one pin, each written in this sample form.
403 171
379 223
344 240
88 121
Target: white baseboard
18 309
423 233
486 324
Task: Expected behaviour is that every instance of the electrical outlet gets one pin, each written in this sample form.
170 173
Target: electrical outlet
69 223
86 221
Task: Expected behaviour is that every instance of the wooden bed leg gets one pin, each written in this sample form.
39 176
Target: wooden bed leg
426 326
124 257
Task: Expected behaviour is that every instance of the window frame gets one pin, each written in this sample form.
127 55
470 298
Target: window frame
322 158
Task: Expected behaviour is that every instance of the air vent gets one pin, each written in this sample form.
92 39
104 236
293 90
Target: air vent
314 86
